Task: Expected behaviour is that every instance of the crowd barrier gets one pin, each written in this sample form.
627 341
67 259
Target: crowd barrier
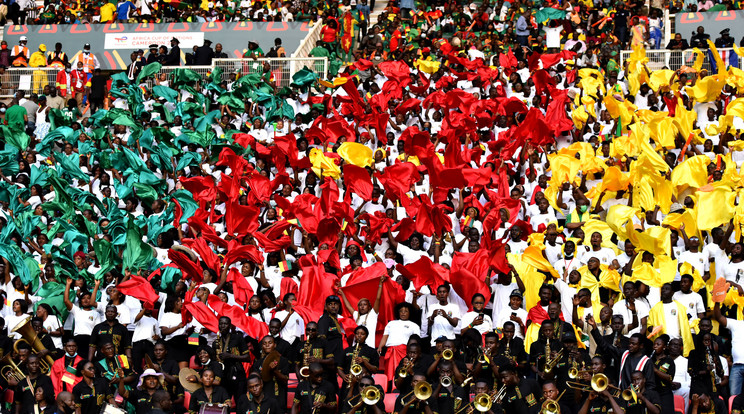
33 80
675 59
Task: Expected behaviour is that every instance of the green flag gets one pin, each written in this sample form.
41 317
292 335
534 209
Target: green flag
18 139
137 254
149 70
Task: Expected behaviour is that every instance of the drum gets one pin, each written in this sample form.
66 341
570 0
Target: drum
213 409
110 409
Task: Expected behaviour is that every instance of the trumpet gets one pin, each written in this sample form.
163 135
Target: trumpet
370 395
550 406
421 391
575 372
403 371
630 394
445 381
447 354
499 395
550 363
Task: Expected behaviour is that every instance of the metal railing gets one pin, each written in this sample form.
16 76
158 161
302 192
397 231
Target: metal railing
282 69
675 59
29 80
309 42
729 57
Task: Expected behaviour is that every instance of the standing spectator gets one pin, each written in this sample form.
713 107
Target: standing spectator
19 56
54 101
107 12
38 60
621 23
88 60
31 105
204 54
57 58
153 55
135 67
123 9
218 53
174 56
4 54
63 84
97 90
364 10
16 116
78 80
523 28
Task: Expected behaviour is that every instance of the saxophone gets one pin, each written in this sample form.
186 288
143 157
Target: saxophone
507 352
355 369
318 398
616 342
305 370
713 373
547 351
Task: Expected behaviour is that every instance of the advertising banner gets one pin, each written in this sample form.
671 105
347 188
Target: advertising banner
712 22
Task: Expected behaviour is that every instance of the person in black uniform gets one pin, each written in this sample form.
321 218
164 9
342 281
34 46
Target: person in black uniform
646 401
512 348
46 339
111 331
725 40
521 393
205 360
152 57
458 369
539 348
486 366
664 370
174 55
112 367
92 391
699 38
560 327
600 403
209 393
702 361
277 385
141 397
408 403
169 368
25 391
256 400
611 346
704 403
230 350
450 396
275 328
316 395
6 344
366 356
313 349
353 403
331 330
415 362
550 392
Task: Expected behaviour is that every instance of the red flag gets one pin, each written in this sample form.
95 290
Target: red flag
357 180
467 284
242 290
391 295
236 251
138 287
199 245
203 315
398 178
189 269
316 284
423 272
241 219
202 188
251 326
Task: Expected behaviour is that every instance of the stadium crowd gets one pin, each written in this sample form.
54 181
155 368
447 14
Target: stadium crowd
429 231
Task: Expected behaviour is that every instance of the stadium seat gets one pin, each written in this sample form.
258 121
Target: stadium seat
290 399
292 382
390 402
382 380
731 402
186 399
679 404
192 362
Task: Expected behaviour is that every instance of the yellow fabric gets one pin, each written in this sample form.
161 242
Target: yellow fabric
692 172
427 66
656 318
533 256
706 89
614 180
699 59
663 132
714 207
324 164
697 279
531 278
617 216
564 167
684 119
660 78
654 240
717 57
356 153
607 279
620 108
688 218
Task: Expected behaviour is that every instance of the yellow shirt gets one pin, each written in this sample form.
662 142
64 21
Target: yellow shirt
107 12
38 60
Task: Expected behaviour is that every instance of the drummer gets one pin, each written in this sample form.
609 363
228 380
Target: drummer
273 369
209 394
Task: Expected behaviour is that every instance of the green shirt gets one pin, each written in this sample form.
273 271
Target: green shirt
71 114
14 117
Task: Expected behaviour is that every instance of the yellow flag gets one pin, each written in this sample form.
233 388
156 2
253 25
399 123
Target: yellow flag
714 207
692 172
324 164
356 153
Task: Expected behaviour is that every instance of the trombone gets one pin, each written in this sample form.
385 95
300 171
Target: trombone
483 401
421 391
447 354
599 383
550 363
550 406
369 395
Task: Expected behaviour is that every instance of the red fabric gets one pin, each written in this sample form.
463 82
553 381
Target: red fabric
397 179
229 187
552 59
537 314
288 285
288 146
396 70
408 105
302 209
316 284
190 270
393 356
555 115
432 219
377 225
273 239
423 272
242 290
203 315
138 287
240 219
207 255
466 279
351 90
357 181
236 251
202 188
251 326
508 61
229 158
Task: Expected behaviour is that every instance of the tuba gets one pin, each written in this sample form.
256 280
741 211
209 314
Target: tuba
29 336
11 370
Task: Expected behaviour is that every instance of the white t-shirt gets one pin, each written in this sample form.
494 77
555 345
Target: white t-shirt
123 314
692 301
52 324
553 36
11 321
737 340
505 315
670 319
145 328
171 320
410 255
567 294
733 272
501 297
469 317
369 321
604 255
641 308
85 320
399 331
440 325
293 329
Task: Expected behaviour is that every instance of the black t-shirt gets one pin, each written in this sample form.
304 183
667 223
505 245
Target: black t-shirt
365 351
116 334
666 366
415 406
524 398
199 397
639 407
24 394
274 388
305 396
737 407
246 404
332 331
449 401
142 400
232 344
347 404
170 367
214 366
91 399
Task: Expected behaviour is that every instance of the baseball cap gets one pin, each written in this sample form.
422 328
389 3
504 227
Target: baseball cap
516 293
23 39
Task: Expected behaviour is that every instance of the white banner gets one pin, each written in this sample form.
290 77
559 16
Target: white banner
144 40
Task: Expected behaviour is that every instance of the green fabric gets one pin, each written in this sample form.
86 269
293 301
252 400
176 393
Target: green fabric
188 206
53 294
545 14
169 94
149 70
14 118
137 254
16 138
304 77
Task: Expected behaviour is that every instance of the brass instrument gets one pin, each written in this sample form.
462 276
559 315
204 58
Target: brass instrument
630 394
499 395
369 395
483 356
421 391
713 373
483 401
445 381
507 351
355 369
574 372
403 371
447 354
551 406
318 398
305 369
11 370
550 363
599 383
29 336
266 374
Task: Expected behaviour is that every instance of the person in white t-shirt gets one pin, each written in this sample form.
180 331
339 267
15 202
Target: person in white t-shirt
443 316
514 313
366 314
736 374
692 301
85 316
51 324
605 255
293 326
634 312
476 319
